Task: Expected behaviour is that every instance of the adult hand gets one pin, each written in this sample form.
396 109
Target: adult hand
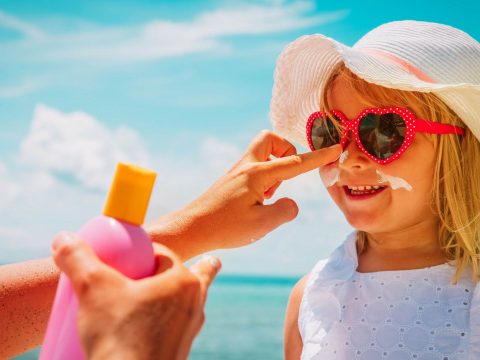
232 212
119 318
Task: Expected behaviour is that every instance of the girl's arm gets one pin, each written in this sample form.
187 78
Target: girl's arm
292 341
27 290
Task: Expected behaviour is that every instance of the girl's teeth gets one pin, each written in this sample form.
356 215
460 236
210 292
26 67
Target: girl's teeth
366 187
362 190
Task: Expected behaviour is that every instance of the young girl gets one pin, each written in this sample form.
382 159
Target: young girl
404 103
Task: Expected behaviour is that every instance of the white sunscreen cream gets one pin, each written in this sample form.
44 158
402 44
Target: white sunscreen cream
343 157
395 182
330 175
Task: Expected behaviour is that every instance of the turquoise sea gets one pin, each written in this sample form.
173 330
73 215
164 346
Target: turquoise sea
244 319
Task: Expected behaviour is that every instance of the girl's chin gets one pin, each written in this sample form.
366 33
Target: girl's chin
365 216
362 222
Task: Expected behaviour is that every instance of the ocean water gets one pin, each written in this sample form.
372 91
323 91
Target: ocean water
244 320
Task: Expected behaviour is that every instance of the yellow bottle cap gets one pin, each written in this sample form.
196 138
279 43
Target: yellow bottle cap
130 193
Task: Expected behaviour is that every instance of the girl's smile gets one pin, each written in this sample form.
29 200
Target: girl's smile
363 192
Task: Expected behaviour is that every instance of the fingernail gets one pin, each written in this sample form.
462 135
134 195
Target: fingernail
62 238
214 262
217 264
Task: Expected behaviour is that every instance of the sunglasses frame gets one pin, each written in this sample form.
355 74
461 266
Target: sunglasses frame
412 126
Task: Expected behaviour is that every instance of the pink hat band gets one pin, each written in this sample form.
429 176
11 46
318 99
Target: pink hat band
401 63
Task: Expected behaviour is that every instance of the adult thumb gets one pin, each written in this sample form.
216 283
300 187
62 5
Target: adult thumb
281 211
78 262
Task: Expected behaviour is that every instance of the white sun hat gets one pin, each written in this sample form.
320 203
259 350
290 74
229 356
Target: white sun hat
406 55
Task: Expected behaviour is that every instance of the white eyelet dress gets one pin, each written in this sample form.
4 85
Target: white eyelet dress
388 315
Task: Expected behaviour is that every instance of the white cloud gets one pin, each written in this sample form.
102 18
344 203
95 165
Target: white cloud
17 242
78 147
24 87
219 155
9 189
159 39
11 22
182 179
256 19
60 179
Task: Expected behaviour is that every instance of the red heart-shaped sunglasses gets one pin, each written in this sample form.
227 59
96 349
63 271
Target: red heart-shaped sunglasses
383 134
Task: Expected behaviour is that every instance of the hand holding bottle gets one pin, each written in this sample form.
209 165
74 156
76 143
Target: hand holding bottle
120 318
119 241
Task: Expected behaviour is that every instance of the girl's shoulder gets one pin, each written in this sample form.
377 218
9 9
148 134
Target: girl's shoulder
295 299
297 290
292 336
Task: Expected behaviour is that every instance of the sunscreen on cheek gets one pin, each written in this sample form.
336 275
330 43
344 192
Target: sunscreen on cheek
395 182
329 175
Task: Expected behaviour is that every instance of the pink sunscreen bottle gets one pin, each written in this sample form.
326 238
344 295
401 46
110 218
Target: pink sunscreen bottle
119 241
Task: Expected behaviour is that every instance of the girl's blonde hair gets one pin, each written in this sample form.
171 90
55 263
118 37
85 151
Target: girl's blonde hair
456 184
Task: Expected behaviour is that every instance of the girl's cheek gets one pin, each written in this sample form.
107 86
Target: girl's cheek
329 174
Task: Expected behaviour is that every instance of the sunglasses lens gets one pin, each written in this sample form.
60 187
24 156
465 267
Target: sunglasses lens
325 132
382 135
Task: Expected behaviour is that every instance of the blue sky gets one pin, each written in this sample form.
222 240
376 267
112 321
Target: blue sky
178 86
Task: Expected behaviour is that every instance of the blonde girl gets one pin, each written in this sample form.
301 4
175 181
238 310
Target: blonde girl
404 103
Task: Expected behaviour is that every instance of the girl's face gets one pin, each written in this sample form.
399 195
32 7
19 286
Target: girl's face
389 209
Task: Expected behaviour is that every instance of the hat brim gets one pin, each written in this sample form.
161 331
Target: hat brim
305 65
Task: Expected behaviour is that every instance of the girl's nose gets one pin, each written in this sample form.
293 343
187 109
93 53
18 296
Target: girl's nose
355 158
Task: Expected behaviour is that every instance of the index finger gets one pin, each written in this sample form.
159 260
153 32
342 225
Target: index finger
288 167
